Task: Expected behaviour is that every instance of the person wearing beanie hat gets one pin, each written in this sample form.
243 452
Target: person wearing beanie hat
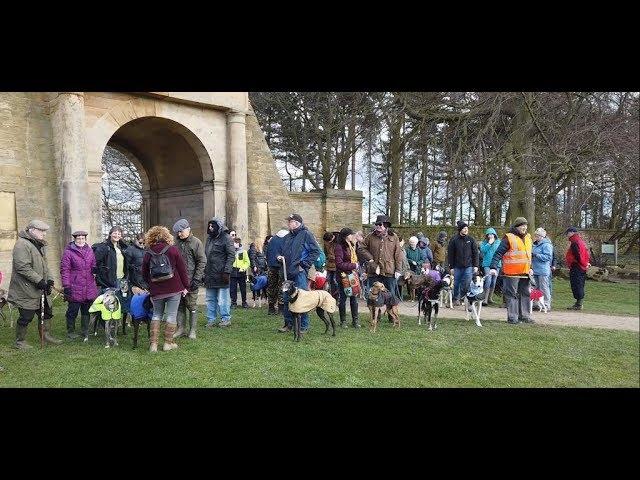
541 257
346 266
384 255
299 251
462 256
577 259
514 252
192 251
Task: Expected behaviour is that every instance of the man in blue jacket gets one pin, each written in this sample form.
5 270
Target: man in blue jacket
299 250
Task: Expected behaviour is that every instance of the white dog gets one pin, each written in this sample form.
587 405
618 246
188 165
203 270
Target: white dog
474 297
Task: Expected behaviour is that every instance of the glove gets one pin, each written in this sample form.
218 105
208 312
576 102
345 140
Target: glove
42 285
397 274
413 263
225 277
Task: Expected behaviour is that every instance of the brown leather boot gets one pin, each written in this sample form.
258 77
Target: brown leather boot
153 340
169 344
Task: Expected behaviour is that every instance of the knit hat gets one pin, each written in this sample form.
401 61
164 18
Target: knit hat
180 225
520 221
540 231
38 225
572 230
460 225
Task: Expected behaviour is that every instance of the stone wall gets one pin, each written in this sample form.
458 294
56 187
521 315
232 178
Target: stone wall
27 174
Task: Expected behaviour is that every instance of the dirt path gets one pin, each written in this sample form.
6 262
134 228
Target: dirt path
556 317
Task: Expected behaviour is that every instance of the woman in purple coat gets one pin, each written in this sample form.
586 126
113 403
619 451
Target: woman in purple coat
76 269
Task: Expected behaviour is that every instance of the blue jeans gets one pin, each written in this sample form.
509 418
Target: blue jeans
300 281
489 280
461 281
218 299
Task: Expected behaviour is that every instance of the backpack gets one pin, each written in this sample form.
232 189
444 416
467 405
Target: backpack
159 265
320 261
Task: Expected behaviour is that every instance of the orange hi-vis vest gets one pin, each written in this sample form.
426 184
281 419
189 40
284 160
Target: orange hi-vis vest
517 260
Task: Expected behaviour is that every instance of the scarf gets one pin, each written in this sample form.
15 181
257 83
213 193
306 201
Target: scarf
354 257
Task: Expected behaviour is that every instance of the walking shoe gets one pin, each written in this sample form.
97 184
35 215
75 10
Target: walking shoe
576 306
225 323
234 305
515 322
284 329
72 336
527 320
211 325
245 305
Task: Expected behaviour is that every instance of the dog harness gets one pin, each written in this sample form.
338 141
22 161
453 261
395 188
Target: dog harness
475 293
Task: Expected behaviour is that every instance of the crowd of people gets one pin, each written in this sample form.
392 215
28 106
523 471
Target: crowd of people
170 267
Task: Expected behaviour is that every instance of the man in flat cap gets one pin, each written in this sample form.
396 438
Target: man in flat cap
30 278
299 250
192 252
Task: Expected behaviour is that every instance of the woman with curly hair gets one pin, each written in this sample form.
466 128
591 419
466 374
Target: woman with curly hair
165 287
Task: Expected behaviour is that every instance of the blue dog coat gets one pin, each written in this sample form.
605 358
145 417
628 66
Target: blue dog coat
138 310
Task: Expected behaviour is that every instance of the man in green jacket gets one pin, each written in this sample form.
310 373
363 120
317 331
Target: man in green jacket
192 252
30 279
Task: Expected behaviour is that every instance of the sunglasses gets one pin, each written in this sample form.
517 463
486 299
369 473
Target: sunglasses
232 234
379 224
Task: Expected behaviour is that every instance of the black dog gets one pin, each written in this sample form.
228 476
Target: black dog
147 305
430 302
303 301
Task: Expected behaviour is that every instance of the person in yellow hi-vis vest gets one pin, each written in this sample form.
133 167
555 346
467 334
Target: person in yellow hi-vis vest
239 274
515 253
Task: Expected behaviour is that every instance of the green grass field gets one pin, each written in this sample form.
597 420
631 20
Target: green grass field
600 297
251 354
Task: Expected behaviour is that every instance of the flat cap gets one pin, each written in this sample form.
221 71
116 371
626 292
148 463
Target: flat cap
38 224
180 225
78 233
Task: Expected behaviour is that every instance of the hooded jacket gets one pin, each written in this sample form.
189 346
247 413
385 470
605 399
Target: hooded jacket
542 253
220 256
76 266
29 267
300 250
423 244
488 249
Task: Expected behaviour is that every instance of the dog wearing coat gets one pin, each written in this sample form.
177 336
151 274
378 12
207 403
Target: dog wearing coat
108 307
474 298
303 301
430 302
258 289
378 297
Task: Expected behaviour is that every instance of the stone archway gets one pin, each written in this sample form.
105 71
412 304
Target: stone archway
175 169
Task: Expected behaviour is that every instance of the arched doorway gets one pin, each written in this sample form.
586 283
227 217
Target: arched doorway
176 174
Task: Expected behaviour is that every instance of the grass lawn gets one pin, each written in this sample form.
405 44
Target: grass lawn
251 354
600 297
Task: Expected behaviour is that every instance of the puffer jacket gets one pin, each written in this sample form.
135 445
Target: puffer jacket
106 263
541 255
192 252
29 267
462 252
272 248
488 249
76 266
423 244
385 252
135 255
220 256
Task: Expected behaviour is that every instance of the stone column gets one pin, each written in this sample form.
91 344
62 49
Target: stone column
219 199
68 128
237 196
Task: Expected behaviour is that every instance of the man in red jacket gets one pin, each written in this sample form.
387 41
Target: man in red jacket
577 259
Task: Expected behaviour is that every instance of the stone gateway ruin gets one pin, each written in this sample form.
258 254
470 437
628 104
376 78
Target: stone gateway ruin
198 154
